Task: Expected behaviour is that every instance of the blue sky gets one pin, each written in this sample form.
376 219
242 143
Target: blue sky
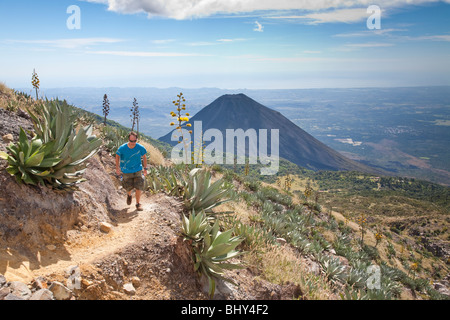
264 44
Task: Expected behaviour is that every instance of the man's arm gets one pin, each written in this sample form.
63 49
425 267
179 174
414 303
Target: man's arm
118 164
144 164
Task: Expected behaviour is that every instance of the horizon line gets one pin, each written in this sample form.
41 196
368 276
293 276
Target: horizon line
218 88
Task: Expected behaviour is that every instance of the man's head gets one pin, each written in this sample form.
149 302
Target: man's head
132 137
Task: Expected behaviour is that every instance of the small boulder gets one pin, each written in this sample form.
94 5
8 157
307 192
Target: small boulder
8 138
60 291
4 292
136 282
129 289
2 280
42 294
13 297
20 289
105 227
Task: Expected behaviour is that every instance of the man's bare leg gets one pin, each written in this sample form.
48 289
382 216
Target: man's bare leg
138 196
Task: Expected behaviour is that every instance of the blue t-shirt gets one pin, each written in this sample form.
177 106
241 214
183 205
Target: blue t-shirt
130 159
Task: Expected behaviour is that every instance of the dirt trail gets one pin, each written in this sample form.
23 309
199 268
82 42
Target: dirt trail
85 245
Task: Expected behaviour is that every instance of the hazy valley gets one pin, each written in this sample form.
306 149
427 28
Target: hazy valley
404 131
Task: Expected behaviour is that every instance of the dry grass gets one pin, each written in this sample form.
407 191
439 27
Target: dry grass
281 265
5 95
154 156
11 101
4 90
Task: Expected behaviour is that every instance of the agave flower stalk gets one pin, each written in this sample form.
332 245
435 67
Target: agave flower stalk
181 120
35 82
105 107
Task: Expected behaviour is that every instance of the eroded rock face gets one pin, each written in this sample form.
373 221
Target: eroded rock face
36 216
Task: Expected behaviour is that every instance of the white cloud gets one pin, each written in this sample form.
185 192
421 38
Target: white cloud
376 32
201 43
163 41
369 45
259 27
69 43
343 15
144 54
213 43
187 9
231 40
356 46
445 37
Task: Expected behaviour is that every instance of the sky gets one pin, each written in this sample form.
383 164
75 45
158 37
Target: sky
228 44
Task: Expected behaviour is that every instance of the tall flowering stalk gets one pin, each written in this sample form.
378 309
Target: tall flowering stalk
181 120
378 237
308 191
363 223
35 82
135 115
105 107
198 153
288 183
413 269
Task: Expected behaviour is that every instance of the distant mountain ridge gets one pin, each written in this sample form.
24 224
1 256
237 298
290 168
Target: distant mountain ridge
238 111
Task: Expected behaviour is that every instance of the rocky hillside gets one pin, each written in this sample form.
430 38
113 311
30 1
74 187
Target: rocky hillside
106 248
88 244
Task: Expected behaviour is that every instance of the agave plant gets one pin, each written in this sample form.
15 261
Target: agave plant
252 235
166 179
333 268
78 148
30 161
211 253
57 154
153 181
351 294
201 194
356 278
54 123
194 227
114 138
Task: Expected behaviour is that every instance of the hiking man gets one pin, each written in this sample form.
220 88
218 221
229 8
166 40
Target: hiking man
131 159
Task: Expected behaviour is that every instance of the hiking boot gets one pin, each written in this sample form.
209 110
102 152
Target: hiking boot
139 207
129 198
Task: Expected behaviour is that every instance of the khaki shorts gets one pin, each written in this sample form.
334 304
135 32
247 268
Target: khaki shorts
132 181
